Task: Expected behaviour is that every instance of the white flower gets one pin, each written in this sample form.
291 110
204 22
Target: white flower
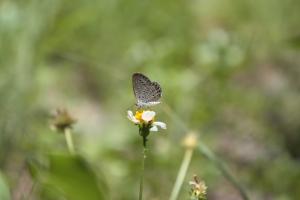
145 118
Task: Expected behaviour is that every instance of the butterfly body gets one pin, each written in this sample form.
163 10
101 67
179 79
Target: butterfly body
147 93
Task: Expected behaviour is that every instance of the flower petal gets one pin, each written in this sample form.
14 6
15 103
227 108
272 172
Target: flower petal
193 183
148 115
130 114
160 124
131 117
154 129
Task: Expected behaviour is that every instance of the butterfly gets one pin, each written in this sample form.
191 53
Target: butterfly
146 92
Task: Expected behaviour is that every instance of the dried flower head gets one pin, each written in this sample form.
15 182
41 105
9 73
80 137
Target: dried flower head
190 140
198 190
62 120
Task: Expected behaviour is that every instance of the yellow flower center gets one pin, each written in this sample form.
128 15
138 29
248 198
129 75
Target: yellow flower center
138 115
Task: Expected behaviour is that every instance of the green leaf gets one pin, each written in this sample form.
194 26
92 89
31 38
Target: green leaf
4 191
74 177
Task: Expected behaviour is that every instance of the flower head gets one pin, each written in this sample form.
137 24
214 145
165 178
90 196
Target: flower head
145 118
198 190
62 120
190 140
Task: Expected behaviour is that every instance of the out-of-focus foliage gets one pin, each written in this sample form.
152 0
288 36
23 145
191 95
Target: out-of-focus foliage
228 69
70 176
4 190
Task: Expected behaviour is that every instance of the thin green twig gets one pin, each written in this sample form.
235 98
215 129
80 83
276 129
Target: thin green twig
181 173
222 167
209 155
69 140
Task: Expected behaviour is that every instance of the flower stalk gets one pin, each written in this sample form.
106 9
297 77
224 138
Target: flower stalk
210 155
143 168
145 121
181 174
189 142
63 122
69 140
223 168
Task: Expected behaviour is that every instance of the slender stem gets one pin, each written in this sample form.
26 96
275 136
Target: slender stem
181 173
210 155
143 169
222 167
69 140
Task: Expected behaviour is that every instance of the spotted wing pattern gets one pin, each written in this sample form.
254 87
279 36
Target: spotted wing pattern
146 92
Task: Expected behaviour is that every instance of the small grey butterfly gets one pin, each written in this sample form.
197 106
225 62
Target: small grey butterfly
147 93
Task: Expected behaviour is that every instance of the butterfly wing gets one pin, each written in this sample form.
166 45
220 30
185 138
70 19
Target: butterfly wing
154 92
146 92
139 83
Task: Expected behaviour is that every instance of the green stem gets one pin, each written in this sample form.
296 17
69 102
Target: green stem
69 140
222 167
181 174
209 155
143 169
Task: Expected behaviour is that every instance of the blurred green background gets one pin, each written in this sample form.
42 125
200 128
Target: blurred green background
228 69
